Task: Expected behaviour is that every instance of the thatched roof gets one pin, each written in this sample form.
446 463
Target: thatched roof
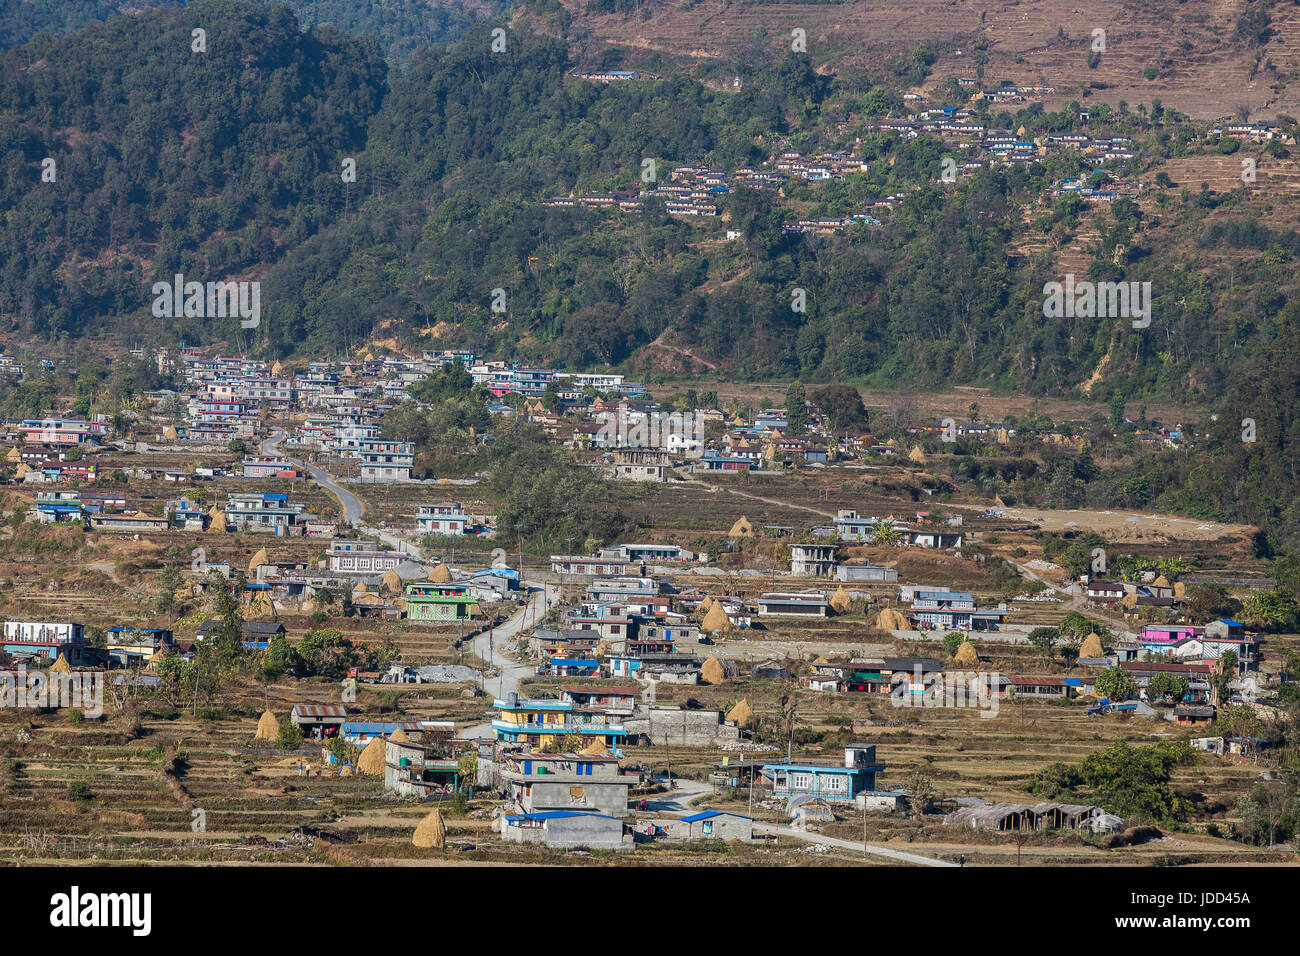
371 760
840 602
712 672
967 655
431 832
716 619
741 714
742 528
440 574
268 728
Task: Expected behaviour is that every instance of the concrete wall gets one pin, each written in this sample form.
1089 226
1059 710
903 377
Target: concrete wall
691 728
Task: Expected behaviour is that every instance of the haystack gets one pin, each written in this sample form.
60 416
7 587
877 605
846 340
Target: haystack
840 602
391 583
440 575
1160 582
360 588
891 620
742 528
596 748
600 650
712 672
268 728
258 560
346 771
916 455
399 736
216 520
371 760
431 832
997 500
1092 646
169 433
967 655
705 606
741 714
61 666
1129 600
14 454
1180 589
715 620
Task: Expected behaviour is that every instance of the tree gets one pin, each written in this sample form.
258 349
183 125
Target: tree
920 794
1272 611
168 581
1044 639
1115 684
952 641
842 406
1225 675
884 532
1164 686
796 408
236 447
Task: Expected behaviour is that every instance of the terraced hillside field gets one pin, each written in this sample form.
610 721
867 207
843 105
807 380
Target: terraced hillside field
1203 67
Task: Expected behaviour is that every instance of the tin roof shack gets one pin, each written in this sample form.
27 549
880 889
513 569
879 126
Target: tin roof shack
411 771
1016 817
1193 716
709 825
318 720
566 830
677 726
536 782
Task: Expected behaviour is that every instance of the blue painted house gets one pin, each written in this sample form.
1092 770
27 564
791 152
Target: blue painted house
857 774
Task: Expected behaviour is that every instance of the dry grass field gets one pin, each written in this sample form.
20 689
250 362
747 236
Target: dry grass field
1203 69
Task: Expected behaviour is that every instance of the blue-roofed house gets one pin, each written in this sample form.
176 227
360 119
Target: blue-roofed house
566 830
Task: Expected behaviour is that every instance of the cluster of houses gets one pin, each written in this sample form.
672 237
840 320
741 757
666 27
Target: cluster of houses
693 189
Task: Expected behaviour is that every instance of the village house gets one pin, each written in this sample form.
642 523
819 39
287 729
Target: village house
411 770
537 781
828 781
442 519
543 723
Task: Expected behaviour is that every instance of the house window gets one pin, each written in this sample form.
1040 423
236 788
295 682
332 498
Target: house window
833 784
800 781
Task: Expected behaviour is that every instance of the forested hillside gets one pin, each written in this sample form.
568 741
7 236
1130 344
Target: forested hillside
400 26
227 165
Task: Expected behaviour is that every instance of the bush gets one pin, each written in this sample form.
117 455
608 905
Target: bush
75 716
291 736
79 790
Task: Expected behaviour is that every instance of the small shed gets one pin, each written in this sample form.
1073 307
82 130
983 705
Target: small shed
718 825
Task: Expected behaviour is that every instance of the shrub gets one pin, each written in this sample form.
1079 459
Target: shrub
79 790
